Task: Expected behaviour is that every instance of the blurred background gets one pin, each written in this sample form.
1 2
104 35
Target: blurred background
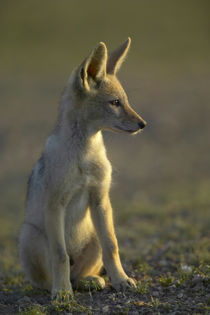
161 178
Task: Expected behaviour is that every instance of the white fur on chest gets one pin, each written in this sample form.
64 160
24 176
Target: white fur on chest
75 169
95 166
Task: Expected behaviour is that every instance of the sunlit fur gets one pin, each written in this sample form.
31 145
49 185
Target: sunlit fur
68 232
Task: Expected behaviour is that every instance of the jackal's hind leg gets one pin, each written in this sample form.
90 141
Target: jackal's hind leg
87 267
34 256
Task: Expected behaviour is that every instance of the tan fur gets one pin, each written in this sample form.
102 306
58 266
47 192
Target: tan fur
68 222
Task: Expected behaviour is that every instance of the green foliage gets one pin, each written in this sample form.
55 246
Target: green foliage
142 287
64 304
35 309
166 281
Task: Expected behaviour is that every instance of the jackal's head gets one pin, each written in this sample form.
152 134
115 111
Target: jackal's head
99 97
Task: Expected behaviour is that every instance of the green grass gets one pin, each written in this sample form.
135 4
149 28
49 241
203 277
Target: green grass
33 310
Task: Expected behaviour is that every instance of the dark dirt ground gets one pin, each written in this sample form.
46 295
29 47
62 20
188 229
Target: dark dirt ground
187 292
170 261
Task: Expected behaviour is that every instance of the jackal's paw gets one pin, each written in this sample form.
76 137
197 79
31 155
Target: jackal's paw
123 284
62 296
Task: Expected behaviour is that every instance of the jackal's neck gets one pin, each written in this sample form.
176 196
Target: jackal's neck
73 129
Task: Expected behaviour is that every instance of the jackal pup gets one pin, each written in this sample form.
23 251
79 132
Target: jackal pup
68 233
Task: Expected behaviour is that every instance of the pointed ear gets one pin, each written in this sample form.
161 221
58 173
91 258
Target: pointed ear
93 69
117 57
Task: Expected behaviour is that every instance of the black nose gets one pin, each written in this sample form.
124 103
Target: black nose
142 124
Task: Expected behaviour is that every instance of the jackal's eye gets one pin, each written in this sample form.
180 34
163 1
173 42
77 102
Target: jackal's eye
115 102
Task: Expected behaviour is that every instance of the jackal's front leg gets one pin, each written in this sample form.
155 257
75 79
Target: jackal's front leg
101 212
54 224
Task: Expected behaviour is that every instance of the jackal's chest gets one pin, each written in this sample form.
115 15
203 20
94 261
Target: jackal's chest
91 173
94 170
83 176
87 170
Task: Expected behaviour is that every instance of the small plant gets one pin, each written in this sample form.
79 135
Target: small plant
66 303
155 303
185 274
142 287
166 281
89 285
35 309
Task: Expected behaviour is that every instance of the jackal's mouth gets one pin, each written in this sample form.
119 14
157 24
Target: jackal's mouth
128 130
